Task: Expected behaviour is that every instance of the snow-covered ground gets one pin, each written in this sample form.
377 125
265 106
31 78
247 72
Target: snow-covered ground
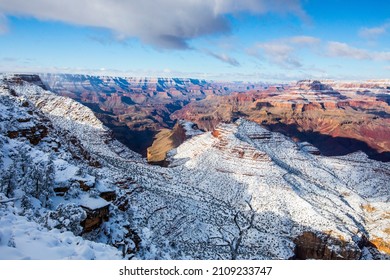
21 238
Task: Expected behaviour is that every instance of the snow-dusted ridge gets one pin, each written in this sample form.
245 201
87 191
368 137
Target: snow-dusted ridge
239 192
304 191
52 176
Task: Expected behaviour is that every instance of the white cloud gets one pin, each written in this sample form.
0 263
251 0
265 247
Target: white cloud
280 53
161 23
283 51
3 24
258 6
373 32
303 40
223 57
9 59
338 49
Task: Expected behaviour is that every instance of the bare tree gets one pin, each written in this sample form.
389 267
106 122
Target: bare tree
232 241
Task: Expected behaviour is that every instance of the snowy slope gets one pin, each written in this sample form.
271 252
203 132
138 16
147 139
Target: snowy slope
290 190
75 118
243 184
51 176
21 238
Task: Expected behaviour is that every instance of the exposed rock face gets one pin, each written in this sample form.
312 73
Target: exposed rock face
108 195
136 108
95 217
346 121
33 79
313 85
34 133
167 140
310 246
381 244
348 116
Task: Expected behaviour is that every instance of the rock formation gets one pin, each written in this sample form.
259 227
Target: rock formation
167 140
336 119
136 108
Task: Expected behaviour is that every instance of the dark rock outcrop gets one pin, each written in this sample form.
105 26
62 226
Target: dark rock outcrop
324 247
95 217
165 141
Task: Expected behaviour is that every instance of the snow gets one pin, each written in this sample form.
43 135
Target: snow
104 185
91 203
190 128
83 200
23 239
65 171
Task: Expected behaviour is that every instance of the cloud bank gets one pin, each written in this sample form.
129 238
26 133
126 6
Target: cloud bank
283 51
3 24
374 32
223 57
161 23
338 49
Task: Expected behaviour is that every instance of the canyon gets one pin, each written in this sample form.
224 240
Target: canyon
135 109
229 188
338 118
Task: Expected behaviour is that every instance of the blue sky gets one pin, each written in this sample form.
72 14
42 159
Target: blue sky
249 40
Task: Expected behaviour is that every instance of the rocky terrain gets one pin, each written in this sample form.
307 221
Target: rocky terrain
338 118
69 190
53 185
136 108
167 140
